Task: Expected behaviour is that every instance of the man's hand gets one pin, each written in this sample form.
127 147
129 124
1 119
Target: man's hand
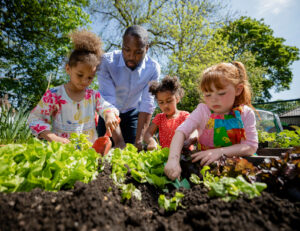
139 145
152 144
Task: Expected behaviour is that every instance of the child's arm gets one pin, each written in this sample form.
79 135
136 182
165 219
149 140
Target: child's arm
211 155
40 117
148 137
50 136
245 148
172 168
112 121
191 140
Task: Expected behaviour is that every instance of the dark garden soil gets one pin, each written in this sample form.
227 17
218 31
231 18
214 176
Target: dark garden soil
98 206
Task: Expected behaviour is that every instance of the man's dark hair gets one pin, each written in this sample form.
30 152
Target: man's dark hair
138 32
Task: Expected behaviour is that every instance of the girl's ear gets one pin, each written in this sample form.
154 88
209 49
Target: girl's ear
177 99
238 89
67 67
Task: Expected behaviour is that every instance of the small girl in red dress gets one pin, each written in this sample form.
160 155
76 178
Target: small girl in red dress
168 93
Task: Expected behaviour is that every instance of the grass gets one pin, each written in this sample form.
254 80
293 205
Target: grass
13 125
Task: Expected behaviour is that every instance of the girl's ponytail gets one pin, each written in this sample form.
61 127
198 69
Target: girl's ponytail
87 48
245 96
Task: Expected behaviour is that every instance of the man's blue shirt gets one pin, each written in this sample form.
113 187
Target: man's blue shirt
127 89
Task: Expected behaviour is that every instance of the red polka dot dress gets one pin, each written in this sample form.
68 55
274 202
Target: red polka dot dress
167 126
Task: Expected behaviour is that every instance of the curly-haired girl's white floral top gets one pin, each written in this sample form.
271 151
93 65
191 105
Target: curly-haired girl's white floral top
58 113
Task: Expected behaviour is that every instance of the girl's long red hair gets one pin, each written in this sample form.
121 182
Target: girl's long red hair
234 73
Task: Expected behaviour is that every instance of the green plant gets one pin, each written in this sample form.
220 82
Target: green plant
144 166
283 139
170 204
286 139
13 127
45 165
228 188
265 136
129 190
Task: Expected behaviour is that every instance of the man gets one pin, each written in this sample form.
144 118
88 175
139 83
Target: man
124 78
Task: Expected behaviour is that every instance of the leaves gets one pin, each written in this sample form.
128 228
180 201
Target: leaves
282 171
34 43
142 166
182 35
170 204
283 139
49 166
270 52
229 188
13 125
129 190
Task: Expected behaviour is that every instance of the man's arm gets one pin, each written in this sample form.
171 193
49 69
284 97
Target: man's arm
105 83
143 123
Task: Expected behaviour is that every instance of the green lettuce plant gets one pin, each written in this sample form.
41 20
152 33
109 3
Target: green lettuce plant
228 188
144 166
45 165
170 204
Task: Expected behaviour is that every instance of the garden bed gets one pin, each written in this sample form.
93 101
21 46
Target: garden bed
271 151
99 206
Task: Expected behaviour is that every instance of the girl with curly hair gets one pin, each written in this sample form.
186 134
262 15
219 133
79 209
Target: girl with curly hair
70 108
167 93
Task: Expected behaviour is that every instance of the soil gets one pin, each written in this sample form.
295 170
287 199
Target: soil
98 206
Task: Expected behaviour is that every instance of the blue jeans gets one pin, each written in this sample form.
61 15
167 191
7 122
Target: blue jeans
128 125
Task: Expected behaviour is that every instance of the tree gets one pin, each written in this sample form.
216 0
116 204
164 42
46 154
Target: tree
194 46
181 34
251 35
33 43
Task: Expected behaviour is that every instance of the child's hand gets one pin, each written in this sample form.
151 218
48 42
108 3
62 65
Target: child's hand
206 157
50 136
111 122
62 140
172 169
152 144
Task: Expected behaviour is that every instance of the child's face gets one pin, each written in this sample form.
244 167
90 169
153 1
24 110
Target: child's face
81 75
221 100
167 102
133 51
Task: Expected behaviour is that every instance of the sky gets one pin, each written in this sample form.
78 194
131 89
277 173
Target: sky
283 17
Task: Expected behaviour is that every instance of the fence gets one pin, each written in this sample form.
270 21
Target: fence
288 110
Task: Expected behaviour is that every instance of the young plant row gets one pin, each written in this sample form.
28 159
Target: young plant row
284 139
49 166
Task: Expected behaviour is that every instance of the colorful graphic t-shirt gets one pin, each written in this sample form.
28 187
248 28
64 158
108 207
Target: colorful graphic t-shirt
58 113
167 127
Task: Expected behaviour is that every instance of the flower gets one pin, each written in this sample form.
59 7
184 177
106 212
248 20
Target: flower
38 128
88 93
47 98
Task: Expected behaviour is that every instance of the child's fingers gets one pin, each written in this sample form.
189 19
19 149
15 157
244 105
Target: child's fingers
116 122
196 157
195 154
108 131
176 175
205 161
